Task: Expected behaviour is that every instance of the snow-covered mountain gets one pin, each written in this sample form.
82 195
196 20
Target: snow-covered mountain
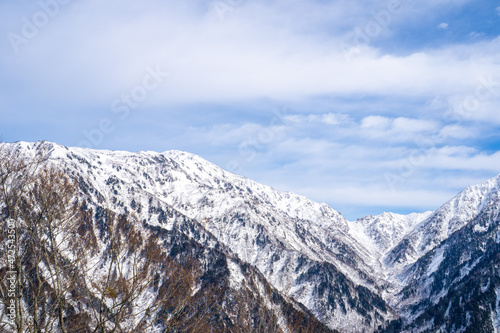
379 273
451 269
387 229
304 249
449 218
229 296
443 266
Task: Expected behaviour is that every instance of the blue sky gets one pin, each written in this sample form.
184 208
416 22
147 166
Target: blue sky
369 106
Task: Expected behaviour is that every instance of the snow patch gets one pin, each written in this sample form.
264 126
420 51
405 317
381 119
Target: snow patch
436 260
236 277
466 270
478 228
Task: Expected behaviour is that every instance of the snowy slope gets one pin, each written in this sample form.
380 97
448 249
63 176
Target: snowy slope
450 265
441 224
303 248
244 299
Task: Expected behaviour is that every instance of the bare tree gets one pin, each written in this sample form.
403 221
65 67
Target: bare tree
55 217
40 208
17 174
140 287
67 281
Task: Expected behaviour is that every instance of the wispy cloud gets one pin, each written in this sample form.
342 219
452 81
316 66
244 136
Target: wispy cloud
326 118
475 34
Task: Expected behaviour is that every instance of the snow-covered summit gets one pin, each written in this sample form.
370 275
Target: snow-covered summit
387 229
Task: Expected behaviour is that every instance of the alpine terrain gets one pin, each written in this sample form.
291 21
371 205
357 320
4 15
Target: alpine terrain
168 242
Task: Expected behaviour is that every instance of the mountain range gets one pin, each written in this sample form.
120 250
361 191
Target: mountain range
293 264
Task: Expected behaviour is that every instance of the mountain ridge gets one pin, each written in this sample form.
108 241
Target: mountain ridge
353 276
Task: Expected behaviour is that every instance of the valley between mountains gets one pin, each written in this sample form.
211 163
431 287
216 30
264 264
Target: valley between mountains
272 261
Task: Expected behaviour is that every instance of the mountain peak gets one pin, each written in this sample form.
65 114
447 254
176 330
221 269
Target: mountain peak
387 229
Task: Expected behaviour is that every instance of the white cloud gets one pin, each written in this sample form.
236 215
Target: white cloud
335 119
377 122
498 10
400 129
237 59
456 131
408 125
325 118
443 26
457 151
463 160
